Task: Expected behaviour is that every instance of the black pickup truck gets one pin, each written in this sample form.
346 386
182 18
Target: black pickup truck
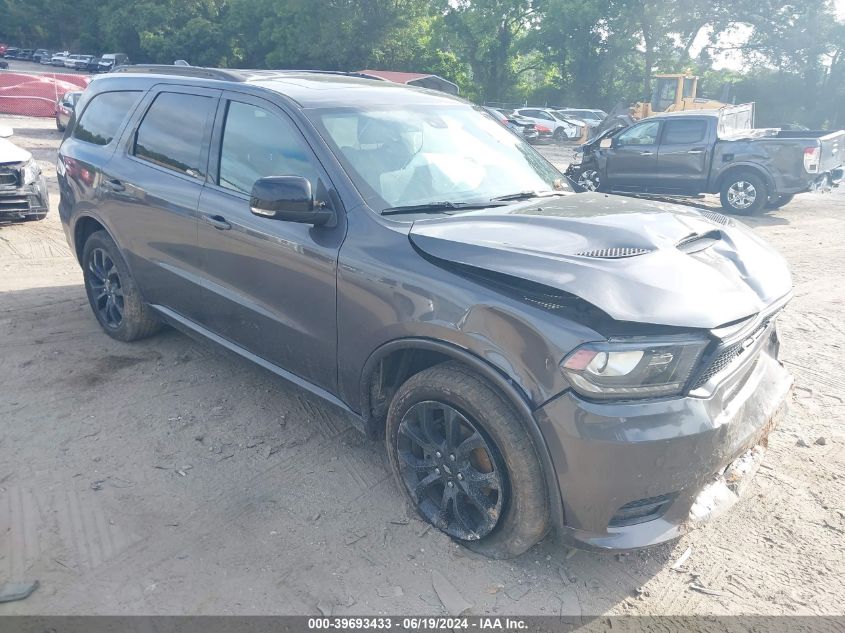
703 151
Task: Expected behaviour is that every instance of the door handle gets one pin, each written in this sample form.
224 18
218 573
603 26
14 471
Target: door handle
696 151
217 221
646 153
114 185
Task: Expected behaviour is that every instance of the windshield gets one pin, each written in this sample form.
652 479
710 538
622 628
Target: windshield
406 156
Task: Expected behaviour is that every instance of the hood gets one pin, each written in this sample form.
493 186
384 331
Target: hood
636 260
11 153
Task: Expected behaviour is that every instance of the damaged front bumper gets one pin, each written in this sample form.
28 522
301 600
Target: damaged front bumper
21 201
635 474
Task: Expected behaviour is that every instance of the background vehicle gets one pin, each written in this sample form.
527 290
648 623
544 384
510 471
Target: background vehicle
688 153
401 255
84 62
673 93
64 108
3 64
70 60
111 60
561 127
24 55
40 54
522 126
59 59
11 52
46 60
23 189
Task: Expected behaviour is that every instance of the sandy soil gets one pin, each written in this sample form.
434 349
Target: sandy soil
166 477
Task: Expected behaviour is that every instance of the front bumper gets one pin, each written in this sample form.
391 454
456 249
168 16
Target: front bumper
636 474
21 202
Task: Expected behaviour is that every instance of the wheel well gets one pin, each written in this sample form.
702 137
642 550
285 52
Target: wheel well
84 228
389 374
743 168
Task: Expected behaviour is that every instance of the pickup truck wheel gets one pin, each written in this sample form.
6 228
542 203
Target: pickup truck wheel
779 201
458 450
744 193
59 126
112 293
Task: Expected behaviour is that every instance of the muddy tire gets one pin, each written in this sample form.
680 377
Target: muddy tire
460 453
744 193
779 201
112 293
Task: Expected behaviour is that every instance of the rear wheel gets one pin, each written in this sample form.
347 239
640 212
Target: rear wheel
459 452
59 126
112 293
560 135
779 201
744 193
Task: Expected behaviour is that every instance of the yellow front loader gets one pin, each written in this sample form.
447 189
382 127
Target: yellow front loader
674 92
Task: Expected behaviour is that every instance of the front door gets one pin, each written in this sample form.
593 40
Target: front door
683 156
270 284
632 159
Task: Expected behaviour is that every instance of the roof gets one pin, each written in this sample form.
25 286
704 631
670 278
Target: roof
392 75
309 88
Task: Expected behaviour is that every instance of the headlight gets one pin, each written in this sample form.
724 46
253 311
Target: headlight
30 171
633 368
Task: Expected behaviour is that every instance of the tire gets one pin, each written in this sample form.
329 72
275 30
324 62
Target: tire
779 201
59 126
559 135
105 271
744 193
493 450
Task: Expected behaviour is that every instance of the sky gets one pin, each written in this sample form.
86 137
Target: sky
732 59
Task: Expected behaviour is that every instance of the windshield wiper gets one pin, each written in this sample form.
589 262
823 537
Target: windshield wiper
526 195
435 207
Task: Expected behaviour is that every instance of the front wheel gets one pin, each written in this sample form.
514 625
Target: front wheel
744 193
458 450
112 293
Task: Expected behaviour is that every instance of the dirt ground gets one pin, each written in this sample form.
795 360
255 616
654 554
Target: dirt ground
167 477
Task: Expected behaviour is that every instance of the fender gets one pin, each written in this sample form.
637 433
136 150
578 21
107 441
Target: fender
515 395
716 179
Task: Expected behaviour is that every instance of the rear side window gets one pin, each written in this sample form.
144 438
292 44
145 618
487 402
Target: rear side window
102 118
172 132
682 132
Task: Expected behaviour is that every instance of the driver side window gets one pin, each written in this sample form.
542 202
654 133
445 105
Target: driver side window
258 143
642 134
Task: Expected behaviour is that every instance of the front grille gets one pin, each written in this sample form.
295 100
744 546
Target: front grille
14 204
614 253
641 510
728 355
8 177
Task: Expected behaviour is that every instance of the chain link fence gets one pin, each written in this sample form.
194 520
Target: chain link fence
35 93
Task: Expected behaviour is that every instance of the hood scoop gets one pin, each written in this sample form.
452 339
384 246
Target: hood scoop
698 242
614 253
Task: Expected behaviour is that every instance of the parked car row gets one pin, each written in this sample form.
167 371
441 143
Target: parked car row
534 133
65 59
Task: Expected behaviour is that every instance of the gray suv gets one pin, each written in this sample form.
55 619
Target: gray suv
534 359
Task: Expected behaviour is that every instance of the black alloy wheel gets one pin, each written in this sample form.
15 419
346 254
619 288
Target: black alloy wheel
453 473
106 288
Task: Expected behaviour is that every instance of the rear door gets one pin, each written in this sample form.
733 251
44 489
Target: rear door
154 184
683 157
632 159
270 284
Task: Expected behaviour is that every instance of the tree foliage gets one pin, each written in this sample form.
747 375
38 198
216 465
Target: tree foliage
583 53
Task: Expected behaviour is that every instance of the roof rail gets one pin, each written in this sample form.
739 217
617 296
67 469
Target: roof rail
181 71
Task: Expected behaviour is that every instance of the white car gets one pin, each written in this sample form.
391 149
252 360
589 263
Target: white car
23 189
562 127
59 59
70 60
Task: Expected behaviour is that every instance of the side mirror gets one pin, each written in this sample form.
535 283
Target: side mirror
288 198
5 131
606 143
